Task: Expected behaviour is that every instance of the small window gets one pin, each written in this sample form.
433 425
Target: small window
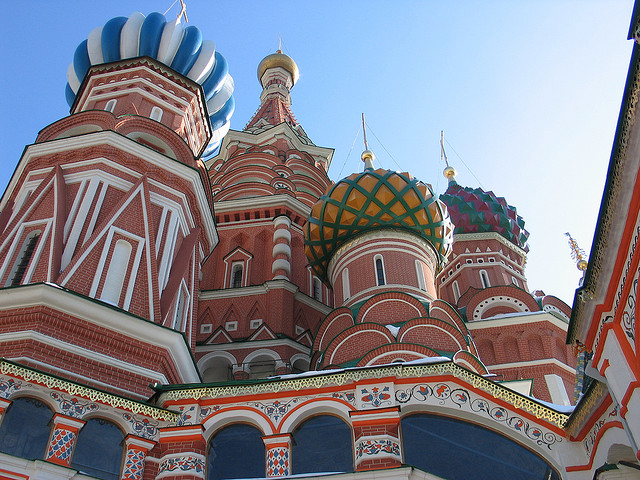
469 260
484 279
98 450
380 277
456 290
24 257
346 284
420 274
514 280
223 460
156 114
492 260
322 444
253 324
206 328
480 260
317 289
24 431
111 105
117 272
236 275
231 326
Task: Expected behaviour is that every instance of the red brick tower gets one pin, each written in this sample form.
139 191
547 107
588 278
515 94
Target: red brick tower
260 303
519 335
104 225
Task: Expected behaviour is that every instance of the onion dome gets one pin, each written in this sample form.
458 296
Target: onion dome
473 210
180 48
279 59
375 199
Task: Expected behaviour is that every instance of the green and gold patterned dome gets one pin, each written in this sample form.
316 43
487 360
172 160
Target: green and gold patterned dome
375 199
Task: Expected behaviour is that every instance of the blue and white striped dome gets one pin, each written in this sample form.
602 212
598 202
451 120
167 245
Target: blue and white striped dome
179 47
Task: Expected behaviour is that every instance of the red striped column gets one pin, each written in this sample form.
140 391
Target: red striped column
281 266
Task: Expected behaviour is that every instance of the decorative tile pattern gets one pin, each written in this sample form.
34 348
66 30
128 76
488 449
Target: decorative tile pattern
133 465
375 397
278 462
206 411
276 410
144 428
8 386
61 445
187 463
350 376
377 447
9 368
72 406
444 394
186 416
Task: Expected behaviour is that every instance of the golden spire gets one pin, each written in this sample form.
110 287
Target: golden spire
577 253
367 156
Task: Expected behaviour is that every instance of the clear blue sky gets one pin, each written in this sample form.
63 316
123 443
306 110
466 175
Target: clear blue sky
527 93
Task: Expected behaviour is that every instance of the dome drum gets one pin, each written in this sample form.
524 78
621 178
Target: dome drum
375 199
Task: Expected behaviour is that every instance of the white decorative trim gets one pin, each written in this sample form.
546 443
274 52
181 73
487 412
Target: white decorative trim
281 264
83 352
105 317
534 363
282 249
282 233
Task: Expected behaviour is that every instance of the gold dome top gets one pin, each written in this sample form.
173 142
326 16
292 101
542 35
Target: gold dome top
279 59
449 173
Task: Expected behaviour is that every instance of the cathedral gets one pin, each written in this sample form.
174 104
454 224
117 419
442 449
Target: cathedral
179 300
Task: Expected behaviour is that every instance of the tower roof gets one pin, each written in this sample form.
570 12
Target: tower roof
178 47
473 210
277 73
370 200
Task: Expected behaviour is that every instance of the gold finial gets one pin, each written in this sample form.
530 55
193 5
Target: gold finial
367 156
449 172
577 253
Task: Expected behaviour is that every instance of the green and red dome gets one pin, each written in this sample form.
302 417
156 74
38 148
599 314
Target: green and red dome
473 210
375 199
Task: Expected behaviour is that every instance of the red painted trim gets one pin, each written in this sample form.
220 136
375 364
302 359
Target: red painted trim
616 274
381 422
373 412
608 401
604 367
579 468
627 396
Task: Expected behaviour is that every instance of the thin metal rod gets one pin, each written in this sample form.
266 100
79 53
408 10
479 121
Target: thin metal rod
364 131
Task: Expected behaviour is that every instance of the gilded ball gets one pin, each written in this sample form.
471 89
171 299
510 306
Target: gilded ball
449 172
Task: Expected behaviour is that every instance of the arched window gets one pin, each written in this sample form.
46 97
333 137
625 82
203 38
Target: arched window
380 278
24 431
23 259
346 285
98 450
456 290
236 275
322 444
114 280
111 105
484 279
317 289
422 285
236 451
182 308
156 114
429 440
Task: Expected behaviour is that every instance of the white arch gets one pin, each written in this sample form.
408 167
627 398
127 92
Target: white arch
314 407
205 361
263 351
224 418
